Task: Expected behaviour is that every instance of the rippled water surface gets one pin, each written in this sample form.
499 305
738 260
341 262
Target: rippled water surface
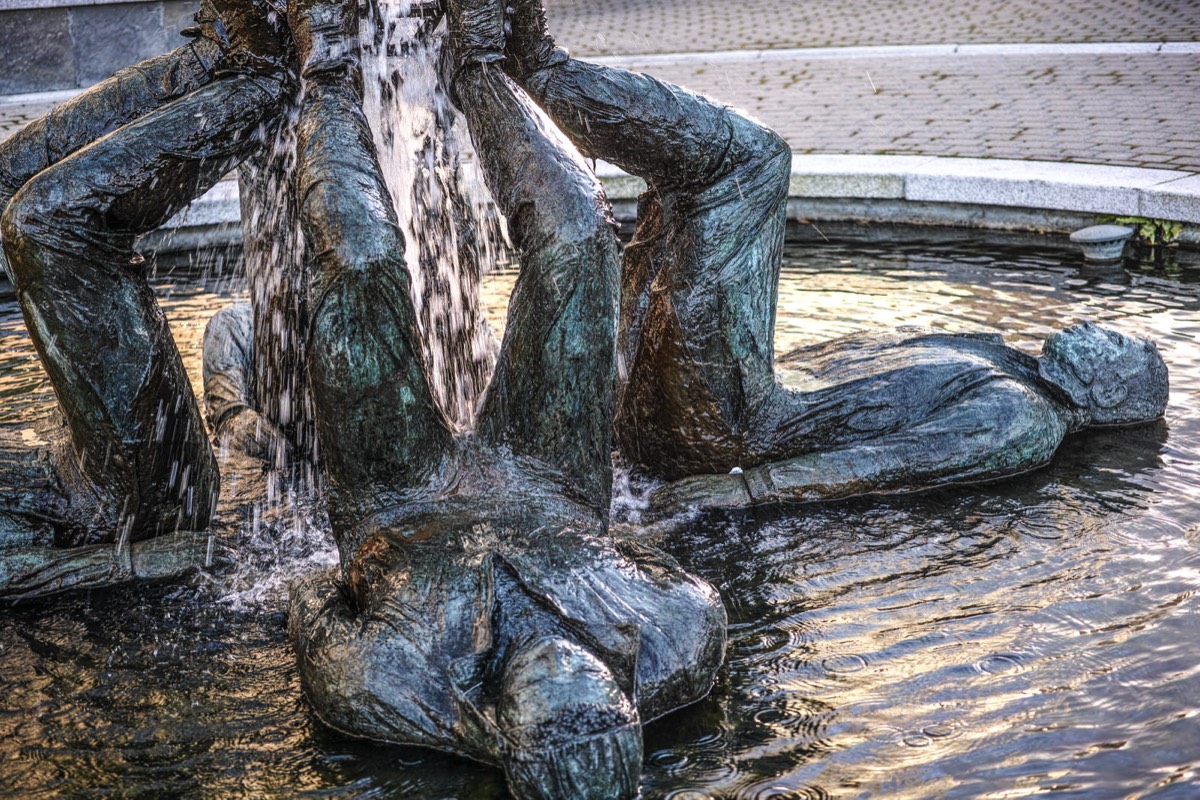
1038 635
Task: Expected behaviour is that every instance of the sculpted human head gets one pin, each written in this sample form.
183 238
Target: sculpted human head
1117 379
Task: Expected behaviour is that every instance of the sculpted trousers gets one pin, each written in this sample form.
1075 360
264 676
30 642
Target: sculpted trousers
697 327
552 395
699 279
86 181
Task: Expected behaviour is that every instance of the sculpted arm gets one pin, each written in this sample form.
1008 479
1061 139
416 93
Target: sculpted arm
28 572
661 132
1003 430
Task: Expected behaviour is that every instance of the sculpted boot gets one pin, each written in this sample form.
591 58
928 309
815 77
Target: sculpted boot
571 730
326 34
251 35
228 371
475 36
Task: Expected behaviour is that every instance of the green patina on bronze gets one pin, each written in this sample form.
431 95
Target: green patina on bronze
78 187
482 605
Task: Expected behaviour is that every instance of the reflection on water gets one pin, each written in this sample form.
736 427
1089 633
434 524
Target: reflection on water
1030 636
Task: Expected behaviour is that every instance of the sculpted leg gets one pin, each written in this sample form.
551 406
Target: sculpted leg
699 278
552 394
1000 430
379 428
489 612
247 38
108 105
229 391
137 437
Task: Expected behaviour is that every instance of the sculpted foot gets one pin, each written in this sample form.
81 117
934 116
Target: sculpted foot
229 395
571 730
251 36
326 35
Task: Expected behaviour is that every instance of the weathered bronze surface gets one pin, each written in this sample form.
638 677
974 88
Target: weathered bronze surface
77 188
871 413
878 413
482 604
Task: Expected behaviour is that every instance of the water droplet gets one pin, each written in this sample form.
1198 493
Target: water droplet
668 759
844 664
759 643
999 664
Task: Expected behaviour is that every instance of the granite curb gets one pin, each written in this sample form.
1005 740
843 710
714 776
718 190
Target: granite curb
641 61
993 194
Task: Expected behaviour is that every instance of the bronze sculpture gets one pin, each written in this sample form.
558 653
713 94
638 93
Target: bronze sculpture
483 606
871 413
78 186
878 413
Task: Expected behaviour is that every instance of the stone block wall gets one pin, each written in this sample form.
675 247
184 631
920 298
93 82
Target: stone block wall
55 45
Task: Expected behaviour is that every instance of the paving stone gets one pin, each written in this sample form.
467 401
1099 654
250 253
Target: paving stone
601 27
1124 106
968 106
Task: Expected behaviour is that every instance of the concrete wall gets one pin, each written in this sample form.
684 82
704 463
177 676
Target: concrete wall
51 45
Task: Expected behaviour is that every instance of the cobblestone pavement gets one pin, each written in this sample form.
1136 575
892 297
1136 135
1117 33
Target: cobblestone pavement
1125 110
1091 106
604 27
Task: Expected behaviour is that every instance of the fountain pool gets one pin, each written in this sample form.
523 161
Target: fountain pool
1037 635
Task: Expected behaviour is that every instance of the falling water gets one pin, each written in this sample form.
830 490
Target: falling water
274 258
452 233
452 237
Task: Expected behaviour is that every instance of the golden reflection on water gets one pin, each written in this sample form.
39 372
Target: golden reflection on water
986 641
817 304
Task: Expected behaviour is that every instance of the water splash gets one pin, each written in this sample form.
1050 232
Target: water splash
279 539
453 235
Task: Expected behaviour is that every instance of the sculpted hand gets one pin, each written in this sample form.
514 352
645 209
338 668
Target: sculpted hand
530 47
703 492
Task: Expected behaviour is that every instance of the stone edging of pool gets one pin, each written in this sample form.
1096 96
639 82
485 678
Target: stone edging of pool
1035 196
990 194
